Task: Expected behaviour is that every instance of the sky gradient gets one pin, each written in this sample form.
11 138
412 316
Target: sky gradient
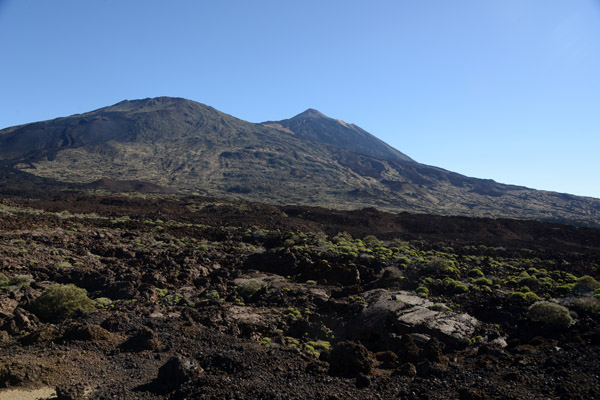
501 89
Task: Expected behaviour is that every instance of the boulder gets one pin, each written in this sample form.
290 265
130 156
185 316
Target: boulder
144 339
396 313
176 371
350 359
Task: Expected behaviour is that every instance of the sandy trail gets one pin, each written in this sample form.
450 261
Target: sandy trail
46 393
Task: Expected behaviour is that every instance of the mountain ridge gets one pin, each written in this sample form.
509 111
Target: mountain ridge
179 145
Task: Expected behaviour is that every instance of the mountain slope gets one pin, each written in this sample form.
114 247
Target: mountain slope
177 144
311 124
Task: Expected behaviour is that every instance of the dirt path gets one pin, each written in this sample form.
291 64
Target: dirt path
45 393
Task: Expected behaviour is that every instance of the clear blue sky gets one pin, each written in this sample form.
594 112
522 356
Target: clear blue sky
500 89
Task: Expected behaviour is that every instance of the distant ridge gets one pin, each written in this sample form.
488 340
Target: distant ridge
168 144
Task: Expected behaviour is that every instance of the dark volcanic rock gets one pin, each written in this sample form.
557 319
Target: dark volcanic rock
144 339
77 391
350 359
87 332
22 321
177 371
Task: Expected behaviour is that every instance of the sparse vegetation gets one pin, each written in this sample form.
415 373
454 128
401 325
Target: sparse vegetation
585 284
191 288
249 288
20 280
61 301
550 314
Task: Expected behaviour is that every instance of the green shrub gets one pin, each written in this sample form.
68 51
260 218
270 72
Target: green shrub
402 260
103 302
422 291
391 274
266 341
528 280
483 282
531 296
475 273
565 289
568 277
588 304
291 311
512 282
439 307
319 345
60 301
20 280
550 314
454 286
525 295
441 267
586 284
64 264
249 288
518 295
371 240
213 295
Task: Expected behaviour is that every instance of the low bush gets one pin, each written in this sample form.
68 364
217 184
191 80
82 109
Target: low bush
525 295
422 291
590 304
441 267
103 302
454 286
59 302
483 282
391 275
550 314
249 288
586 284
20 280
564 289
475 273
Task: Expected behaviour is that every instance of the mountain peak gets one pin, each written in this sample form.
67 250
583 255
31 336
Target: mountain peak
151 103
311 113
314 125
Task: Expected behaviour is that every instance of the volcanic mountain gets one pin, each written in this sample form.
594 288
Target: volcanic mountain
174 144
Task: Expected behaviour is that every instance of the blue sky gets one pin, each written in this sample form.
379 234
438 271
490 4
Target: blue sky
501 89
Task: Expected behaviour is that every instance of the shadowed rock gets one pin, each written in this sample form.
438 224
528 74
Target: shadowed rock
350 359
177 371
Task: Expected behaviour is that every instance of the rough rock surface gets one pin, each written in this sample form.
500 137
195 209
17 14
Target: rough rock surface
386 313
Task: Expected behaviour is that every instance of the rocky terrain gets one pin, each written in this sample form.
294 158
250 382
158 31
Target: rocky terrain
166 145
152 297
